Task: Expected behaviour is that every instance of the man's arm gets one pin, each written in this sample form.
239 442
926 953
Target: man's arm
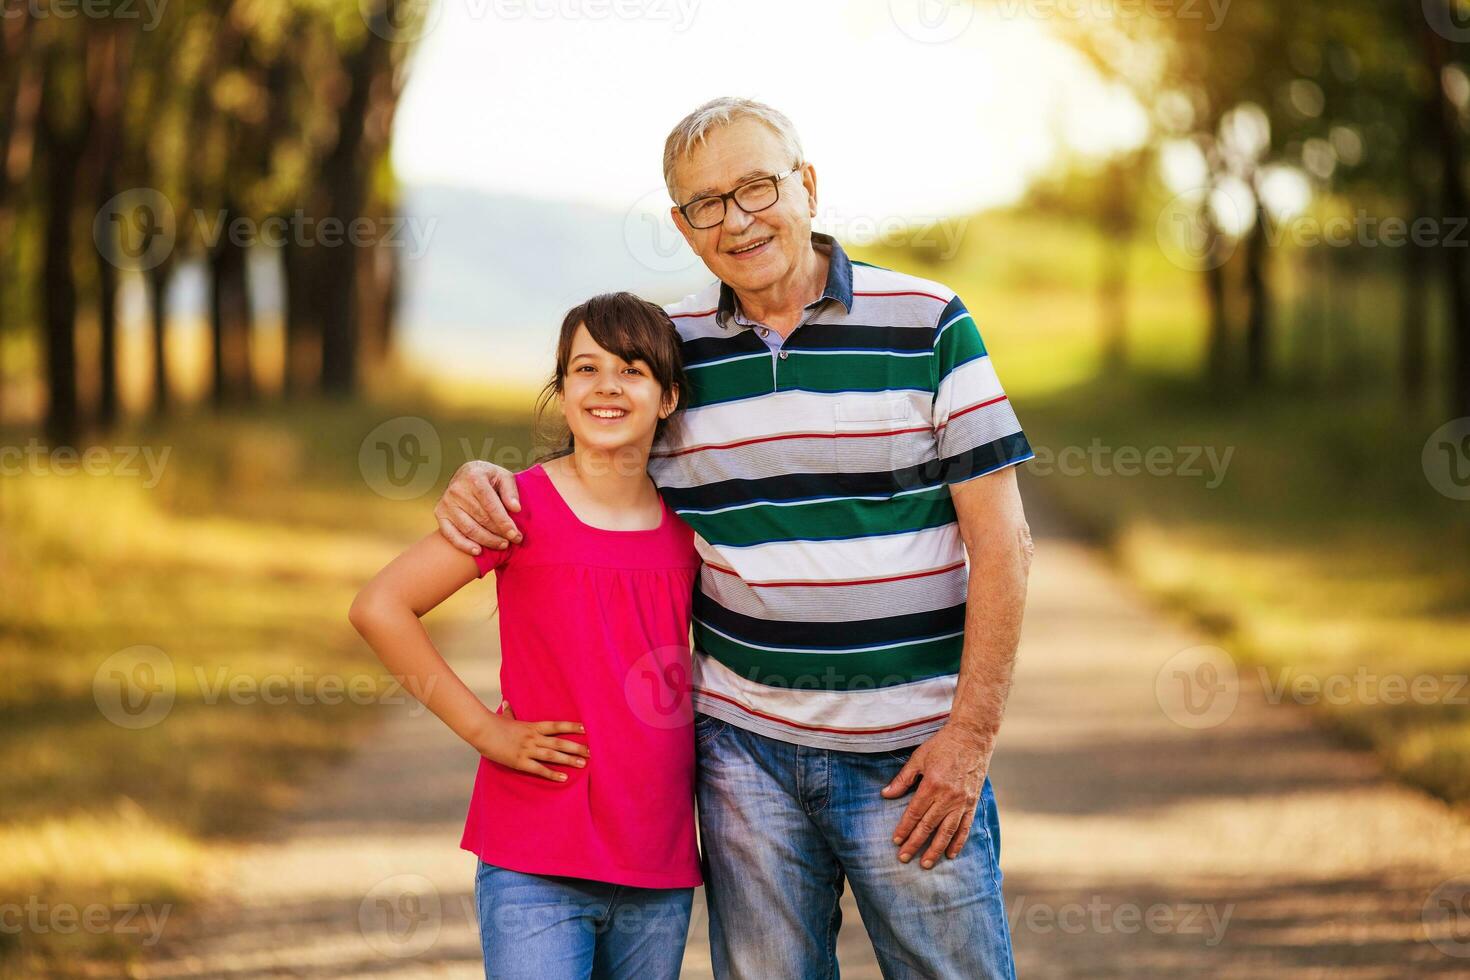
474 511
955 759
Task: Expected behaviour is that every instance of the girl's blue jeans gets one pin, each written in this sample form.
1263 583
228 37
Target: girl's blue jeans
540 927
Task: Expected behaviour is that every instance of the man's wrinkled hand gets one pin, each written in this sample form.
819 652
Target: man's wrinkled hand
953 764
474 511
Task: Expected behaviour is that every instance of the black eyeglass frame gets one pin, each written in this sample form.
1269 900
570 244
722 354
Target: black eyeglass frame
774 180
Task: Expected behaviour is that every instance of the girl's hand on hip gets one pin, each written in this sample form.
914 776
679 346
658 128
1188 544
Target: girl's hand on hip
526 745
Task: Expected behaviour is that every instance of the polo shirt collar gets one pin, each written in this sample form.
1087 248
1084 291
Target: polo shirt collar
839 282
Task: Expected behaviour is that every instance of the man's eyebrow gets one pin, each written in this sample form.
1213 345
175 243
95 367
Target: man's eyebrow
583 354
748 175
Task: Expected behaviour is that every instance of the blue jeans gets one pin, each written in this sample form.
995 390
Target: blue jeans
782 825
540 927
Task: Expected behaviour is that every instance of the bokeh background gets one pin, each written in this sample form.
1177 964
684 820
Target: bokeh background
271 269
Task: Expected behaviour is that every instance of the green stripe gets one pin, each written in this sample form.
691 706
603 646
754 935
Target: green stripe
809 371
834 671
833 373
829 520
958 345
734 379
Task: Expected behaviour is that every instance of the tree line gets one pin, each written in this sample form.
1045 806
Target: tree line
1365 103
137 139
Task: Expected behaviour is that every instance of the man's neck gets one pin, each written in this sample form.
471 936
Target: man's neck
780 305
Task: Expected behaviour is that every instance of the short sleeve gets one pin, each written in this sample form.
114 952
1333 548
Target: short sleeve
490 559
975 426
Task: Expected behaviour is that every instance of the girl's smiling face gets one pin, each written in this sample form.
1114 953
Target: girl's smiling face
610 403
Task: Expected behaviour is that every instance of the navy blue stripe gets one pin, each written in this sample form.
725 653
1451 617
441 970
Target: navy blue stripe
909 628
790 487
983 459
845 336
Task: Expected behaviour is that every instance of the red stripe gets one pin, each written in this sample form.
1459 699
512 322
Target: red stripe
855 581
907 292
955 415
676 316
818 728
790 435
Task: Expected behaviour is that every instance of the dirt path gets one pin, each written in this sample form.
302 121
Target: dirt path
1134 845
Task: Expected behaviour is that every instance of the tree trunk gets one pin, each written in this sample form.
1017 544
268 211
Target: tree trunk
229 317
1446 132
20 100
1258 322
157 279
63 147
1414 330
344 179
302 323
1218 345
108 56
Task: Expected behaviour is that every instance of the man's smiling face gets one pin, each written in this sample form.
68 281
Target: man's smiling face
751 252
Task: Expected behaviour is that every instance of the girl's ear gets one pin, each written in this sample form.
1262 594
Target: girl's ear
670 402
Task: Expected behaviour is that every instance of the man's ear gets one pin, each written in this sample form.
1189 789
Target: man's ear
809 181
683 227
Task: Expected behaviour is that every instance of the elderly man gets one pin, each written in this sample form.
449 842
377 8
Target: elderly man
847 446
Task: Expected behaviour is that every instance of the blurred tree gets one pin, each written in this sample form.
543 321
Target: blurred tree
20 100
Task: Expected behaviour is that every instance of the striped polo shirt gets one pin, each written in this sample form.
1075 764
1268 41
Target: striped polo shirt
830 610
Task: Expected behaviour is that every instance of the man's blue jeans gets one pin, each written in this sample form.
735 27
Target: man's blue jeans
782 825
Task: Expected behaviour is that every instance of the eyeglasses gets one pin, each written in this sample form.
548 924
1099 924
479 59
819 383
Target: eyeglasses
752 196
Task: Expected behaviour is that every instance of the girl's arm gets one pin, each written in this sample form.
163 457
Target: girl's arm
386 612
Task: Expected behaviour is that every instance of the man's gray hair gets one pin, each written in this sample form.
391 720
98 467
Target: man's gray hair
716 113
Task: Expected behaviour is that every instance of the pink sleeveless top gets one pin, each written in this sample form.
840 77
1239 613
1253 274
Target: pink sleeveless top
594 628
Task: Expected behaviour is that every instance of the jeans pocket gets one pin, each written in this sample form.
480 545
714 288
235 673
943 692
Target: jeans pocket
707 728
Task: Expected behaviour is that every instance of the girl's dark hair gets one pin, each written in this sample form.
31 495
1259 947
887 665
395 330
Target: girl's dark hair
630 327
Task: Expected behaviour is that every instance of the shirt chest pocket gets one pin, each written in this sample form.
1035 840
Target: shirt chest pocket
873 438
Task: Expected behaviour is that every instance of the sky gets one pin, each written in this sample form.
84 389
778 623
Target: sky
908 109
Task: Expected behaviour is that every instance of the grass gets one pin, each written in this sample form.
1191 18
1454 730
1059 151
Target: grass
1323 561
232 574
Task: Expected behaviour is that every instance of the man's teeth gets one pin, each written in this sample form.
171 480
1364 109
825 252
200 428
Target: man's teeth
752 245
608 413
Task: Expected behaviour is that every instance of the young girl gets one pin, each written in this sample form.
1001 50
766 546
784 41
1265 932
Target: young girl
582 813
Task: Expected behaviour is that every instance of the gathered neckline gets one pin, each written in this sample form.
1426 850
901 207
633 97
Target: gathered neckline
664 513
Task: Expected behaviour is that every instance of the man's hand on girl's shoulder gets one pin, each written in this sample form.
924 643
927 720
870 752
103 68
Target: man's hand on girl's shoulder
474 511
